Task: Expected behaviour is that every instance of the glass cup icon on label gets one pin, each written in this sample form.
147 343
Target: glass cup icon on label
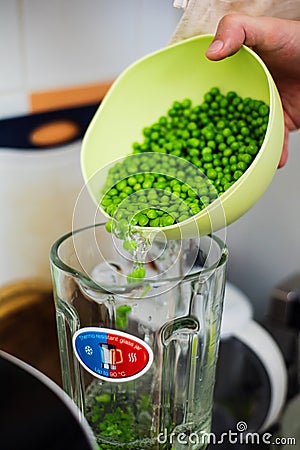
112 355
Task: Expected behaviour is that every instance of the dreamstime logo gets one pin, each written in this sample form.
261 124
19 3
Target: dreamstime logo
238 436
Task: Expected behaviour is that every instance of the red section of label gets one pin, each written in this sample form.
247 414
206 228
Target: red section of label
127 356
112 355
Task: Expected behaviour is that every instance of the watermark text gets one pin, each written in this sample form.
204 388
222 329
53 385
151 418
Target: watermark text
238 436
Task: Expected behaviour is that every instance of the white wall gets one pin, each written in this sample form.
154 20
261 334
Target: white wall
47 44
264 244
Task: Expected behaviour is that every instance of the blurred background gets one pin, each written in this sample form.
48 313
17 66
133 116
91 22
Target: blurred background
58 60
58 55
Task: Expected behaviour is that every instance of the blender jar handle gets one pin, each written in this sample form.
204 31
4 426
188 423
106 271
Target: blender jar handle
257 339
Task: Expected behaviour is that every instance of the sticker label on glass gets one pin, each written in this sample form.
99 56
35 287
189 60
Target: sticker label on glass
112 355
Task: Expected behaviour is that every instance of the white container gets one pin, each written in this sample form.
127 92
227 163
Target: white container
38 191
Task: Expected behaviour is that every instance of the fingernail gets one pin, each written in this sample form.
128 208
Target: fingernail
215 46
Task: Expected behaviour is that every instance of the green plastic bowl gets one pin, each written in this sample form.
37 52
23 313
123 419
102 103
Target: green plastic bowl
146 90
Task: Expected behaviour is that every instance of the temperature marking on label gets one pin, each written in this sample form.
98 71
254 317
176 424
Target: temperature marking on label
112 355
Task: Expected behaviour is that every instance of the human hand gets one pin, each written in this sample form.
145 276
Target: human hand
277 42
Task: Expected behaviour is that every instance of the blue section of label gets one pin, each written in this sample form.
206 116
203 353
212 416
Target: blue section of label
90 348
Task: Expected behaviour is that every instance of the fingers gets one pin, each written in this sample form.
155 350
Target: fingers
229 37
283 158
284 154
272 38
234 30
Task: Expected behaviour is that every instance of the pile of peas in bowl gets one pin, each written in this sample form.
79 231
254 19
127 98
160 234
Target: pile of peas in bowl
213 144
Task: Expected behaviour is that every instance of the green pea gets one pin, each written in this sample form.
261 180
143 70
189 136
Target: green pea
195 209
121 185
177 188
186 103
176 105
139 178
227 186
131 181
211 144
192 126
172 112
211 174
106 200
109 226
142 220
163 120
237 174
146 132
193 142
221 124
234 146
230 140
127 190
263 110
214 91
130 245
167 221
241 166
113 192
205 200
225 161
245 131
155 222
136 274
227 152
152 214
227 132
137 187
231 95
252 149
147 184
208 97
221 136
246 158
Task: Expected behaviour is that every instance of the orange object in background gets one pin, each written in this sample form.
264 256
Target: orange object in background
60 131
53 133
68 97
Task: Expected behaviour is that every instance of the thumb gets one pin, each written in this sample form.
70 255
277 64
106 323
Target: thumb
234 30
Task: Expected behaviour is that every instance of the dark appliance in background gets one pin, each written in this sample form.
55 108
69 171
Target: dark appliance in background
248 398
283 323
18 132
